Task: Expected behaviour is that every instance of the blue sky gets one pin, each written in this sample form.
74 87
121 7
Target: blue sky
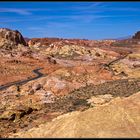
85 20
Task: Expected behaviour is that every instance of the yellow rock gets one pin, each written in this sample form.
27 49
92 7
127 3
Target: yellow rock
119 118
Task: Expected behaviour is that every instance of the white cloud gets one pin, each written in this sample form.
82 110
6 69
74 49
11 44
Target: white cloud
15 10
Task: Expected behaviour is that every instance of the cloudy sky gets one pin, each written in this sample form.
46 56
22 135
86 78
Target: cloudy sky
85 20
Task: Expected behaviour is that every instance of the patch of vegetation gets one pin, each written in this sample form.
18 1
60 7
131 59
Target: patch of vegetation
77 99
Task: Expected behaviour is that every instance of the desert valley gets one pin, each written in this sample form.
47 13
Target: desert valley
55 87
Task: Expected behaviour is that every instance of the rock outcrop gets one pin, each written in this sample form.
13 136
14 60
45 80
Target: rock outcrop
9 39
137 35
128 67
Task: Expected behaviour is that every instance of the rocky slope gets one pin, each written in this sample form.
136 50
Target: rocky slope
39 101
118 118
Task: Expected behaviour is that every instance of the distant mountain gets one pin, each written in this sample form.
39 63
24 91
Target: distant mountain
125 37
120 38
